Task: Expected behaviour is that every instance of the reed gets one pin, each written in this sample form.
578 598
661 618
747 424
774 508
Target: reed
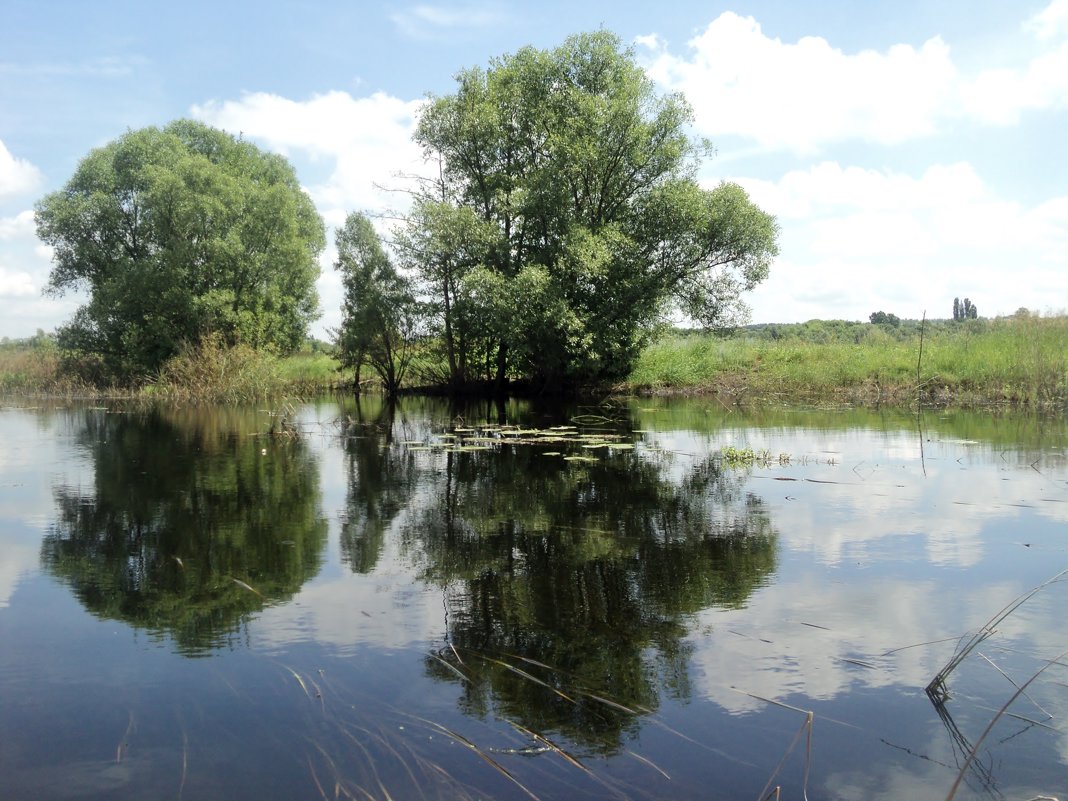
28 368
806 729
308 373
483 755
208 372
41 370
211 372
1021 690
937 689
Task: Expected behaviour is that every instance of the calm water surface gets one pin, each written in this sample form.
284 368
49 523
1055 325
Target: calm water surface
353 601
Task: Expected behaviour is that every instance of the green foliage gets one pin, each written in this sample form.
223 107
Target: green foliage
178 232
443 243
567 222
882 318
737 458
380 313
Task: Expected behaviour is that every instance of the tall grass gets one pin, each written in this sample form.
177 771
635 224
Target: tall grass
1015 360
26 369
212 372
1025 358
308 373
41 369
209 372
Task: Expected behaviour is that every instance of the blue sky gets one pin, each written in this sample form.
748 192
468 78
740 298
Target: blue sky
912 151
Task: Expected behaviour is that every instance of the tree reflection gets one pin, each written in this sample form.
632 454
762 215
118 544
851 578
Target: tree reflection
380 480
190 526
569 585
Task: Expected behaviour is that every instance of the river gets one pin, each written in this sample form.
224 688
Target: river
640 599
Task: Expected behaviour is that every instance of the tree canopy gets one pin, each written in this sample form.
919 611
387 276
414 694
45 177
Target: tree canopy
964 310
884 318
567 221
177 232
379 314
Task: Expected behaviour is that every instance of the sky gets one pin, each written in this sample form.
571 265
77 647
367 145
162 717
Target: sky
912 152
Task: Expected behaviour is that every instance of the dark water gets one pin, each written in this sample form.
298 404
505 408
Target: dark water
347 601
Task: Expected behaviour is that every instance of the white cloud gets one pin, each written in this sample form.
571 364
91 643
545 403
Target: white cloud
22 268
999 96
803 95
17 176
1051 22
25 263
432 21
364 140
16 283
19 226
651 41
806 95
867 236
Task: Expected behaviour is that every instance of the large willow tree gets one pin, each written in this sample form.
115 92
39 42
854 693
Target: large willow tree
177 232
567 221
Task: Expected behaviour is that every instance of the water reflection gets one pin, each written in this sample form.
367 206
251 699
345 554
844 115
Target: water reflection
568 586
642 604
381 478
192 523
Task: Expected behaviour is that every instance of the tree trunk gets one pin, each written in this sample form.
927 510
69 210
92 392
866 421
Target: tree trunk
450 347
500 383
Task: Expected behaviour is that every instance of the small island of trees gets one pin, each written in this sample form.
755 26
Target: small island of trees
561 242
564 224
176 234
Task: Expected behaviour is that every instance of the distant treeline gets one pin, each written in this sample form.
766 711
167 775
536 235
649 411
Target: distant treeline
852 331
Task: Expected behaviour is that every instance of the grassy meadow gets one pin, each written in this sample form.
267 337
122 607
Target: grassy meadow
1019 361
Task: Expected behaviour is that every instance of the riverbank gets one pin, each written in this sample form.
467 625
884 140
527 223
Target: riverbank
1015 362
205 374
1007 362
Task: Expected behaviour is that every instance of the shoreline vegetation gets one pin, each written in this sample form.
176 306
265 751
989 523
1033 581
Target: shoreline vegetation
1019 361
559 225
556 222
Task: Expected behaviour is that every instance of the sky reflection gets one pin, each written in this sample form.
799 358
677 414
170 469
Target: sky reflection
481 588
